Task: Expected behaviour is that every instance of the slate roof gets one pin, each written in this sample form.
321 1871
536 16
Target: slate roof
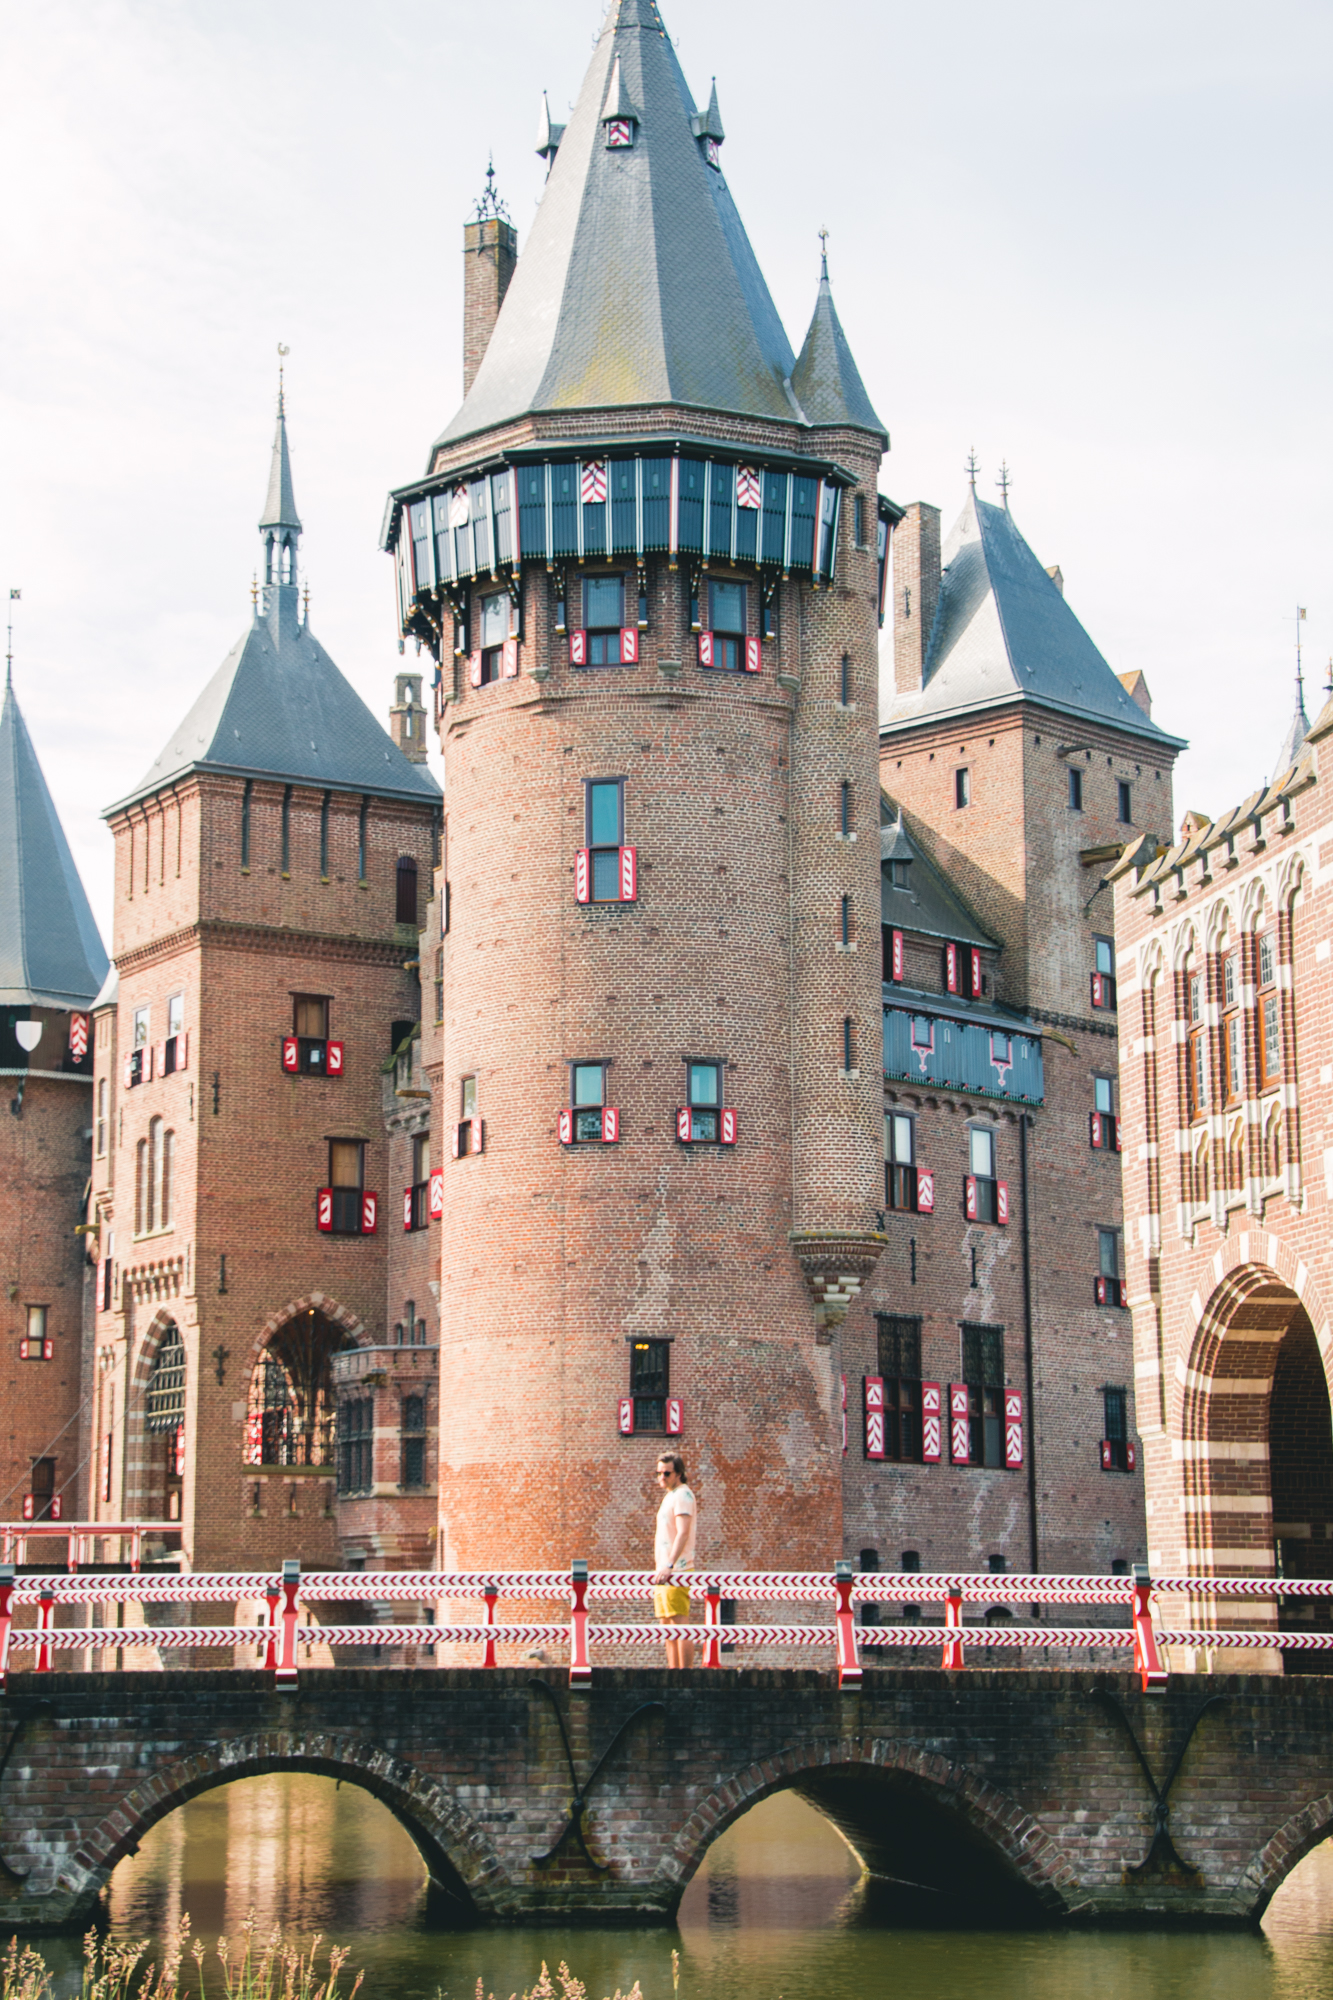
929 904
51 953
637 284
826 382
1004 632
278 707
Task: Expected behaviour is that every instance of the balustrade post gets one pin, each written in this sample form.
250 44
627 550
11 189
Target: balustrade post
580 1666
953 1631
6 1618
713 1620
285 1675
490 1593
272 1597
1148 1663
46 1618
849 1666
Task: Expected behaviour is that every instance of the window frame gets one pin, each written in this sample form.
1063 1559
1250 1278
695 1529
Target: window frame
658 1361
598 637
406 869
1124 802
356 1447
1103 989
900 1182
962 787
586 1116
701 1111
1115 1435
987 1185
898 1342
1268 1009
1075 800
607 853
985 1423
728 642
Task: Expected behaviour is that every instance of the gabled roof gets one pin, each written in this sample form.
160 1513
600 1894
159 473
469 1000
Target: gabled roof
826 381
1004 632
51 953
637 284
928 903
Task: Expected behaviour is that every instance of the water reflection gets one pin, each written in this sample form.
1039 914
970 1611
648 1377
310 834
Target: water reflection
779 1908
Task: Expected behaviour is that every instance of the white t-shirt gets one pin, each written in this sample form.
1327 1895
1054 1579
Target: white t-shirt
675 1504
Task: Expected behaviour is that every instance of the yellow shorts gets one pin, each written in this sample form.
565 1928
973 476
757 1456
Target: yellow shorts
671 1600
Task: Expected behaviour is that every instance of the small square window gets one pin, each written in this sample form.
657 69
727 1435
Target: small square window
310 1016
1124 803
1075 790
728 604
962 788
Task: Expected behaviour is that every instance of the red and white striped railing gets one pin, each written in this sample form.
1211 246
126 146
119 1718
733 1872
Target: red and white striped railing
82 1536
838 1593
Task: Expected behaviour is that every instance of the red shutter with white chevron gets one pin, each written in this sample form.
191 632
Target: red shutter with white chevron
753 657
874 1401
629 874
705 649
1099 1291
925 1191
625 1416
565 1128
437 1194
324 1209
509 660
407 1208
78 1036
951 967
1095 1128
578 649
629 645
932 1438
683 1122
474 669
370 1213
592 485
610 1125
1131 1456
1108 1456
974 967
727 1127
1001 1201
960 1430
896 956
183 1050
333 1065
291 1053
970 1197
675 1416
582 876
1013 1429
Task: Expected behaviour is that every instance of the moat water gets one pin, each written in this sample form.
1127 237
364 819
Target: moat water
778 1912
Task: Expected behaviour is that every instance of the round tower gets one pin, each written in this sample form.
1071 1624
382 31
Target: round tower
645 556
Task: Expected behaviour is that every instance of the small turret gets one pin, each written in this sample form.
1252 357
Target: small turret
407 718
280 526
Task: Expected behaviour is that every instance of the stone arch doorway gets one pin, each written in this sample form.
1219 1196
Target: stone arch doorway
291 1413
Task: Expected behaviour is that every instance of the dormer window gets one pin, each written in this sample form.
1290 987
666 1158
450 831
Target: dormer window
619 132
898 875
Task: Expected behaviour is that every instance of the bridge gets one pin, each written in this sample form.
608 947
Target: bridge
592 1791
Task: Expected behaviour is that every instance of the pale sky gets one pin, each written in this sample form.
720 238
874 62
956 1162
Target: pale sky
1090 239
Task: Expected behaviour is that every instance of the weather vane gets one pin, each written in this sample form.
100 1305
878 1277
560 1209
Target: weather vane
823 252
972 469
1004 482
490 204
14 597
283 352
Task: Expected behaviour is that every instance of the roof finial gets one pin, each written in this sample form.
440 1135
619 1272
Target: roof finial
306 606
972 469
254 592
490 205
283 352
1300 682
1004 482
823 253
15 595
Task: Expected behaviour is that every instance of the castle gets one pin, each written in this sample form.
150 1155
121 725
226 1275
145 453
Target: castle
727 1058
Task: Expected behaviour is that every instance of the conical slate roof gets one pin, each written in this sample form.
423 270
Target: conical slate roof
280 501
1297 731
637 283
51 954
826 381
1003 632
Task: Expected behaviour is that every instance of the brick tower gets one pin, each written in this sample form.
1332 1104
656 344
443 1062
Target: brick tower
271 868
645 556
51 964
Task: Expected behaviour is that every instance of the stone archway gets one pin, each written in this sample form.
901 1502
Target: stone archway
290 1416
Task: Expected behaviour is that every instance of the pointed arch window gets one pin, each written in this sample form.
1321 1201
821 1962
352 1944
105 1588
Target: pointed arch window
164 1404
290 1417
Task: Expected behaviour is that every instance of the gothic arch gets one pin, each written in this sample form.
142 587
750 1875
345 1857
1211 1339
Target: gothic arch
459 1857
952 1796
1183 942
141 1478
1217 922
342 1315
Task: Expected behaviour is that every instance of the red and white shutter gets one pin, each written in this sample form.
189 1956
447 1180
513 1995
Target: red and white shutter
1095 1128
582 876
28 1506
683 1122
334 1062
370 1213
592 484
610 1125
1113 1134
970 1197
629 645
324 1209
578 649
753 659
129 1072
896 956
1108 1456
925 1191
78 1036
57 1508
874 1399
727 1127
565 1128
951 967
474 668
1099 1291
975 972
705 649
1013 1429
182 1050
456 1140
407 1208
437 1194
23 1348
48 1349
1121 1292
625 1416
509 660
291 1053
747 487
1001 1201
1098 990
931 1425
478 1134
180 1451
1131 1456
960 1430
675 1416
629 874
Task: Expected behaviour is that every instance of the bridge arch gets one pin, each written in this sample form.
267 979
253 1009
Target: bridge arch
912 1818
464 1870
1270 1867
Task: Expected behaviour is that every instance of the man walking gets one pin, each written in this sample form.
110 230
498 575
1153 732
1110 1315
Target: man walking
673 1555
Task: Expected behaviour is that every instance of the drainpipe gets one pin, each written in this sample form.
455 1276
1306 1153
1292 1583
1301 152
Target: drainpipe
1024 1124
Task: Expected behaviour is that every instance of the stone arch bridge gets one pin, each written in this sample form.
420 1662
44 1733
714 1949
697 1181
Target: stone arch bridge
1020 1796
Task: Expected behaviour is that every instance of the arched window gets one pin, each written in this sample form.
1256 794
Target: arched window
1200 1165
1236 1156
406 907
1273 1143
166 1181
140 1186
291 1409
165 1401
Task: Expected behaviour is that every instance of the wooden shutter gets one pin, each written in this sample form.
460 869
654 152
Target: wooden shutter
78 1036
509 660
753 659
324 1209
629 645
129 1072
1121 1292
1131 1456
925 1191
975 971
625 1416
370 1213
565 1128
48 1349
960 1430
1013 1429
683 1122
610 1125
896 955
1098 990
27 1506
582 876
1001 1201
478 1135
23 1348
57 1508
1095 1128
407 1208
291 1053
456 1140
1099 1291
675 1416
437 1194
727 1127
180 1451
474 668
970 1197
1113 1133
629 874
183 1050
951 967
874 1402
578 649
705 649
334 1065
931 1424
1108 1456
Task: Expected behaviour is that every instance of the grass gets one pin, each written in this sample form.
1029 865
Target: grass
272 1970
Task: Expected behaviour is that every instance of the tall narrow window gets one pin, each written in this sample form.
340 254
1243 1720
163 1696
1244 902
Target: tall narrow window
848 1043
1103 973
166 1182
962 788
845 808
1075 790
649 1382
439 983
845 680
324 836
361 855
899 1358
983 1374
101 1117
245 823
1270 1017
405 908
1115 1443
604 811
140 1187
286 829
727 612
1124 803
414 1441
859 518
153 1193
1233 1037
164 1402
846 920
604 618
1197 1061
983 1185
900 1188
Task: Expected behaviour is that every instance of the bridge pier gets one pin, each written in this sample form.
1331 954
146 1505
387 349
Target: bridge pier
1013 1796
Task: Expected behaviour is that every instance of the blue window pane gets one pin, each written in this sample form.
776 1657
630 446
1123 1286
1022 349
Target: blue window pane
729 607
1105 963
587 1083
1102 1089
606 875
494 619
704 1083
604 815
603 602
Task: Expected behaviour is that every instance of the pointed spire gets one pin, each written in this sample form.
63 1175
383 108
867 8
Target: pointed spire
826 381
280 503
50 951
1297 731
617 103
708 124
549 134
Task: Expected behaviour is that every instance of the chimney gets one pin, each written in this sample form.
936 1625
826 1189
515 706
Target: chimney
916 591
407 718
1136 687
490 252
